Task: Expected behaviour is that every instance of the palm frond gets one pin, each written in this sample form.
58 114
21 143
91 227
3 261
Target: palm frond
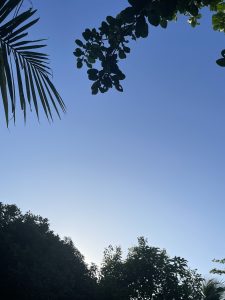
213 290
24 70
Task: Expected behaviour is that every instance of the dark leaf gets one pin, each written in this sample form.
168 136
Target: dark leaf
78 52
221 62
154 19
87 34
79 64
79 43
141 29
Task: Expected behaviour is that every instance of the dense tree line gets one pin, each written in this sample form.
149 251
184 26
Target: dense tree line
35 263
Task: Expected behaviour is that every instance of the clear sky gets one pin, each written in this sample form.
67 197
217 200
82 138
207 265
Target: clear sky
149 161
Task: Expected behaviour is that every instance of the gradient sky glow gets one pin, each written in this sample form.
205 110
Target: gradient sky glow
149 161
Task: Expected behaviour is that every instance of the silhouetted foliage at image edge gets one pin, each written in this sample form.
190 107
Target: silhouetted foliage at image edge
36 264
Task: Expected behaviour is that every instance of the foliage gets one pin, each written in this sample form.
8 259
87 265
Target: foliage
147 273
22 68
218 271
108 44
213 290
36 264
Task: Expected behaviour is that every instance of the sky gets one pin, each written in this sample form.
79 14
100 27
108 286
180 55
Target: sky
146 162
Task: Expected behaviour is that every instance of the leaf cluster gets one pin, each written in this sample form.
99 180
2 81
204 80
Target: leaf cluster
105 46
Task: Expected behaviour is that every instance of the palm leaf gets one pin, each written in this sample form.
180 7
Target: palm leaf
3 87
213 290
24 71
6 7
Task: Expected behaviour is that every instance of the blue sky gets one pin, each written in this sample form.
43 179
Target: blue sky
149 161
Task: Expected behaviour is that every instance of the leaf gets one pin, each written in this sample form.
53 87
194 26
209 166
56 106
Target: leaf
15 33
223 53
128 14
92 72
95 87
11 25
18 37
43 94
104 27
33 91
154 18
221 62
193 9
55 92
27 84
126 49
3 88
20 86
119 88
35 55
40 92
133 2
141 28
79 64
122 54
87 34
121 76
94 91
52 99
26 42
110 20
93 76
163 23
79 43
78 52
91 59
29 47
7 8
10 81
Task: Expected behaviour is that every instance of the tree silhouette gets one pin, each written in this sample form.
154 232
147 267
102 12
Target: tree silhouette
36 264
108 44
147 273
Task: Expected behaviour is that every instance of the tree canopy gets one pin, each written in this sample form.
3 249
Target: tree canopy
147 273
102 48
36 264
